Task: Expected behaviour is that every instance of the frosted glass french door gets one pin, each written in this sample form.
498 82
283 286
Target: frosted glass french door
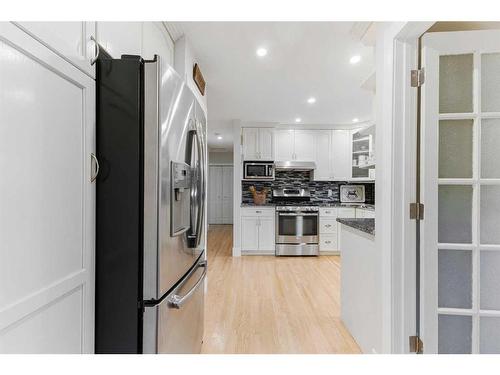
461 191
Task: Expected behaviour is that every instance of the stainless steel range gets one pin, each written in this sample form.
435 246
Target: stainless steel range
297 223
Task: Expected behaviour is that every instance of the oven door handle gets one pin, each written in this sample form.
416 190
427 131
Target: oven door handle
296 214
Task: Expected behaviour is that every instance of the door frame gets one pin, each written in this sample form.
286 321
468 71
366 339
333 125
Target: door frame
397 55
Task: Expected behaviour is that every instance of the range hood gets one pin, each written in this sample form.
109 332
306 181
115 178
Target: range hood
295 165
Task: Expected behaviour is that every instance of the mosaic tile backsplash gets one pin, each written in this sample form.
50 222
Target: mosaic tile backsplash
301 179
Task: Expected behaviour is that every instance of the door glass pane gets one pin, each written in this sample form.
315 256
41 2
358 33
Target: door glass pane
455 278
490 280
455 214
454 334
490 82
287 225
490 333
490 214
310 226
490 150
455 83
455 148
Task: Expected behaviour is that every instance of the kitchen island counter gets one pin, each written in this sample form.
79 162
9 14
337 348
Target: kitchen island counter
366 225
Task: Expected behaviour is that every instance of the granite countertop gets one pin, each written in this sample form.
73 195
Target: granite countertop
258 205
365 225
320 204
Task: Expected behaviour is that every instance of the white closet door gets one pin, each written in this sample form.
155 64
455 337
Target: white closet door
284 144
304 145
461 192
47 215
227 194
341 154
215 195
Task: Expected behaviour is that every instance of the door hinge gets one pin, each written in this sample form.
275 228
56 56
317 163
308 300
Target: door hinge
417 77
417 211
416 345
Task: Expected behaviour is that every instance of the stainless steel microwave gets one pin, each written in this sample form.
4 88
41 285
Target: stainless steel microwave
258 170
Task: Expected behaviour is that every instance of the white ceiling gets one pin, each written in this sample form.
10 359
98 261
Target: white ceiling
304 59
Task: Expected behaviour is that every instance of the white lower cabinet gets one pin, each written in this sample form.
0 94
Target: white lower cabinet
250 233
328 243
364 213
328 226
257 230
328 230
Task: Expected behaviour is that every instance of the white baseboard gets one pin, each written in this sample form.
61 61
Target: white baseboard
329 252
268 252
236 252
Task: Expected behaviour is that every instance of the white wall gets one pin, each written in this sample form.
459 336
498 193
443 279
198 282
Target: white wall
220 158
184 63
136 38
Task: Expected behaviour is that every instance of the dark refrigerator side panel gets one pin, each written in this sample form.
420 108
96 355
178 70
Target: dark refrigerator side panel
119 211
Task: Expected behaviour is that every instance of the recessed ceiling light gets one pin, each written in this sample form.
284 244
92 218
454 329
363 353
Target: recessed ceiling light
261 52
311 100
219 137
298 119
355 59
355 119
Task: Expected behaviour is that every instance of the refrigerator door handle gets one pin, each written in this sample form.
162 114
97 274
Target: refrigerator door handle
194 235
176 301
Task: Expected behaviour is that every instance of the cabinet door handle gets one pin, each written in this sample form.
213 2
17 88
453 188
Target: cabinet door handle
328 212
328 241
328 225
97 50
93 176
258 212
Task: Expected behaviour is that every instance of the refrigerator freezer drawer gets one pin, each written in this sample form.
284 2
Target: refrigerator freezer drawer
175 325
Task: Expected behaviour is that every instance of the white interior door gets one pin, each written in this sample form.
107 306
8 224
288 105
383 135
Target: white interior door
47 215
461 191
215 195
227 194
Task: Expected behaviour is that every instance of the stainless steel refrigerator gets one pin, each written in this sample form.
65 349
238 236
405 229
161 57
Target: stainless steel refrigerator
150 235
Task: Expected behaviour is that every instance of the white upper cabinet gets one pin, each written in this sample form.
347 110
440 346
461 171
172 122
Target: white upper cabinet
341 155
322 154
266 143
285 139
156 41
250 143
70 40
258 144
304 145
120 38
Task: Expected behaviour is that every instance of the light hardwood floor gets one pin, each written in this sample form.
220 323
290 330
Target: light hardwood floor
264 304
